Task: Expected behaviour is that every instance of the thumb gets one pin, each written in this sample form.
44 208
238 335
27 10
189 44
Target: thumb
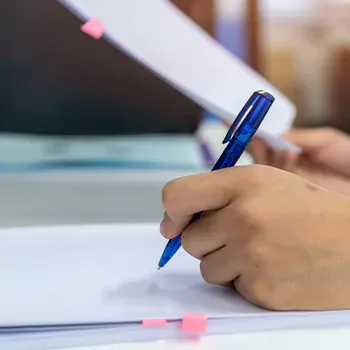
311 141
184 197
326 146
170 228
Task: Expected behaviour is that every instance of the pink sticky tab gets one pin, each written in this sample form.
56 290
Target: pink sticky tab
194 323
94 28
154 323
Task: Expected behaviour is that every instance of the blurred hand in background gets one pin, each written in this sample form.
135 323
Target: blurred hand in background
325 159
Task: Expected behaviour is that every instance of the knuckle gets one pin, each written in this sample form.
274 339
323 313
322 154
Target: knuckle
249 218
256 175
251 251
256 256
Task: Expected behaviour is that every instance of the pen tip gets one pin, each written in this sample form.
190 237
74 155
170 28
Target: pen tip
159 268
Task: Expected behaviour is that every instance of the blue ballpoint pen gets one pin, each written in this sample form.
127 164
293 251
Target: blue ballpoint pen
238 137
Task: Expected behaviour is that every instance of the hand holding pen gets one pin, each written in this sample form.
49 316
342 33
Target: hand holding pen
238 137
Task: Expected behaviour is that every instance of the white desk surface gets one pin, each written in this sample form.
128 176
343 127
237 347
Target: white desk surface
320 339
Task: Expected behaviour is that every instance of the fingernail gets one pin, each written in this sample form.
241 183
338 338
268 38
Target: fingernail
292 155
254 143
257 141
162 228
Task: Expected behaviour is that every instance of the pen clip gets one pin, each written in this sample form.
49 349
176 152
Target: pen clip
241 117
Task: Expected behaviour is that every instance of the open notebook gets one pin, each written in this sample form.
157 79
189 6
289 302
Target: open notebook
83 285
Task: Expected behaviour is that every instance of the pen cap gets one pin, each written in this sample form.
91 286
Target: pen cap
252 114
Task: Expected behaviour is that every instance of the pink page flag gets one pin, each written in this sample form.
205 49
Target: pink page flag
94 28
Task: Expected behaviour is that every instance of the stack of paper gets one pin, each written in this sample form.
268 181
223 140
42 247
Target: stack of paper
86 285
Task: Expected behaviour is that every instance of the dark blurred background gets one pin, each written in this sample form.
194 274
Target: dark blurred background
57 80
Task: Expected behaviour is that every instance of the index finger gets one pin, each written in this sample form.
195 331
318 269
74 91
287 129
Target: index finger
186 196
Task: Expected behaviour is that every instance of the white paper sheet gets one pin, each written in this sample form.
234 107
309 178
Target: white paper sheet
79 277
97 274
161 37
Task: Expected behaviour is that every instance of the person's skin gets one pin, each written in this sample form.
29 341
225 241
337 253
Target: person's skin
325 159
281 241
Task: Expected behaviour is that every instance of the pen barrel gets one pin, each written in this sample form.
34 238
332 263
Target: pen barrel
173 245
230 156
171 248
